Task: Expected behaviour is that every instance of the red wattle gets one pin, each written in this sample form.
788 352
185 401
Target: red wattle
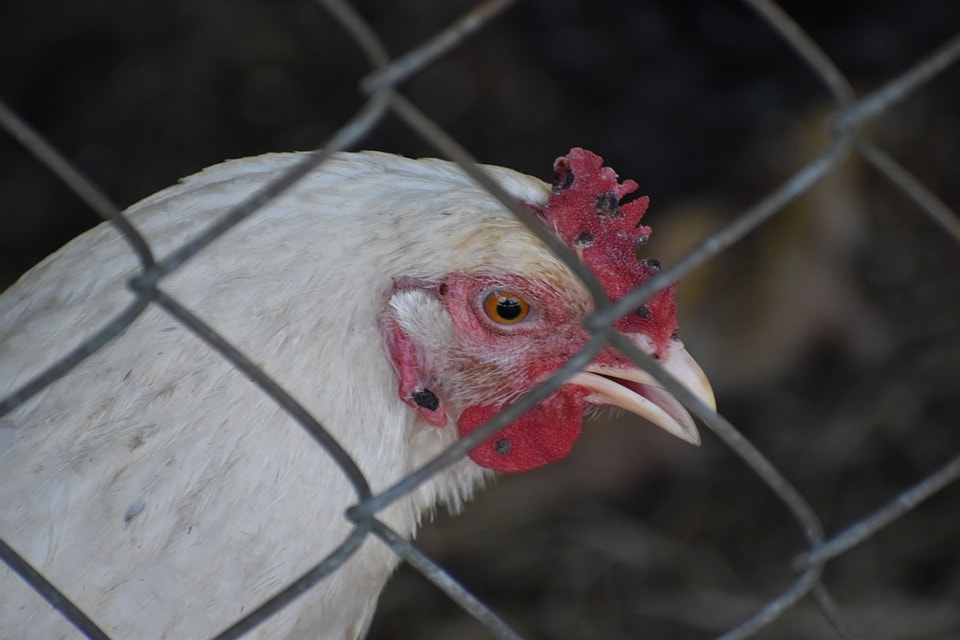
544 434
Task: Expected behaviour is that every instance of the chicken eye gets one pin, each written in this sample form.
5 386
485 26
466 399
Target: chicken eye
505 307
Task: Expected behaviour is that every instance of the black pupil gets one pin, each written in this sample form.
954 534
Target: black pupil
509 308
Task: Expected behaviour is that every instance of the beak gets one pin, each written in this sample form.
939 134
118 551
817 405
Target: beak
636 391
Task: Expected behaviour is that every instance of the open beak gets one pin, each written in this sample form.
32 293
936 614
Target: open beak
636 391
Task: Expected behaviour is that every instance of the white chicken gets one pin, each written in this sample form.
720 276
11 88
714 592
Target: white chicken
398 301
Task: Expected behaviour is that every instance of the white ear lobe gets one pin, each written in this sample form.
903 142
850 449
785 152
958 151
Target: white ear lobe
416 328
423 318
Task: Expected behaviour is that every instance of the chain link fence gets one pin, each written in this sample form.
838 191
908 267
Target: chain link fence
801 444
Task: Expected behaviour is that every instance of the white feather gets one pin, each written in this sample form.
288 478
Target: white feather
155 485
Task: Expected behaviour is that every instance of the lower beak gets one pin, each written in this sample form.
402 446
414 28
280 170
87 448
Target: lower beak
636 391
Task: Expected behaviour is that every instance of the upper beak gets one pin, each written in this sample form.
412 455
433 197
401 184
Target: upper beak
636 391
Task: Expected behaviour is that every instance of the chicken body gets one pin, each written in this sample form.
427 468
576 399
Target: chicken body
166 495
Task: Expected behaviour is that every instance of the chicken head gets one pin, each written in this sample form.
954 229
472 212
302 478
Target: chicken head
465 345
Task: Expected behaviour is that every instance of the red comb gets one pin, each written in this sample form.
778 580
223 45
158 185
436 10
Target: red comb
586 211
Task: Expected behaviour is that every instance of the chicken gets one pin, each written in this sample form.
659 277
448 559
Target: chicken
399 302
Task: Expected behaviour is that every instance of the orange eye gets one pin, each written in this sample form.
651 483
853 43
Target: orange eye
505 307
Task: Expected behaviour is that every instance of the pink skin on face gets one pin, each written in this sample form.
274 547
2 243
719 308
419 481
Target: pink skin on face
491 364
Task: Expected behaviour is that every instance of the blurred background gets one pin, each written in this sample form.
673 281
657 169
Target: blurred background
832 334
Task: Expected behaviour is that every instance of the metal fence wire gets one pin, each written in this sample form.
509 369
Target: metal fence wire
924 556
